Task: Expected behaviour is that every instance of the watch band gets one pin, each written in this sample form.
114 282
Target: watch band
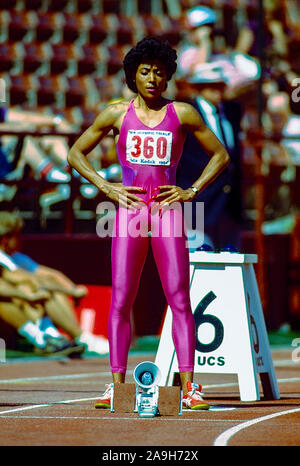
194 189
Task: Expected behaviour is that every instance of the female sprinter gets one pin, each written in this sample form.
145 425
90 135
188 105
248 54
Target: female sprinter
149 132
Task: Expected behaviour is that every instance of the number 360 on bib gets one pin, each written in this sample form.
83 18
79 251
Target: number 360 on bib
149 147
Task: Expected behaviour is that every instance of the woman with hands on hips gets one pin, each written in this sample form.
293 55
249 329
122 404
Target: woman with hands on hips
149 132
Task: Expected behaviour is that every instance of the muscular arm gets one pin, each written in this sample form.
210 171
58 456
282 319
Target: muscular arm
10 290
219 157
20 277
54 280
107 120
88 141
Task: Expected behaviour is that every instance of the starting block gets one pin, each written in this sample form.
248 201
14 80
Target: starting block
123 401
230 325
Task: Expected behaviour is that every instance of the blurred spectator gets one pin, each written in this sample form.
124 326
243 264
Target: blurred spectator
281 124
21 306
62 291
274 37
275 30
196 46
240 70
212 83
45 155
282 131
281 157
42 157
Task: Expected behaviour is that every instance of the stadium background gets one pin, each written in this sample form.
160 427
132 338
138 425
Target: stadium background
63 57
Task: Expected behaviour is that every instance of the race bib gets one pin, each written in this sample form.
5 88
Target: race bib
149 147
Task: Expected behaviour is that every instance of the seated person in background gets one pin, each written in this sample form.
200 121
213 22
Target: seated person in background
62 291
282 126
22 307
46 155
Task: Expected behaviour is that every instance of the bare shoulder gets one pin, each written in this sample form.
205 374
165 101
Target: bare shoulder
187 114
111 115
118 106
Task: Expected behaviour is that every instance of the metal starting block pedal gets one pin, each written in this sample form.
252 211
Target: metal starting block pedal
125 400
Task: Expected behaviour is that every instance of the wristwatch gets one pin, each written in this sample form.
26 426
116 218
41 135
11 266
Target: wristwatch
194 189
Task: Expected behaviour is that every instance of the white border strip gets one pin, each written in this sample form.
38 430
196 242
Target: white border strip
223 439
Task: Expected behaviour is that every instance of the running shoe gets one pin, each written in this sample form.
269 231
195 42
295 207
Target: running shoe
105 400
193 398
59 346
93 343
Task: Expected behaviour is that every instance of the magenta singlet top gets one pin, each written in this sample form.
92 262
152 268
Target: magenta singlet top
149 156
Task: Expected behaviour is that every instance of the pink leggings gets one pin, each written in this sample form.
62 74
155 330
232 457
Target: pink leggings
172 261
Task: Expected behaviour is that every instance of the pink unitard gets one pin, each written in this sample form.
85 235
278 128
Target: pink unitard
149 159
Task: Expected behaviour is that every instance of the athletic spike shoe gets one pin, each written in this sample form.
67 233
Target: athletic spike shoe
59 346
105 400
193 398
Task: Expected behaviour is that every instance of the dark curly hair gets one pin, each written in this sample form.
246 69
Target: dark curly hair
150 48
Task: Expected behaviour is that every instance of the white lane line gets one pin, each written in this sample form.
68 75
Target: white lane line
54 377
45 405
118 418
223 439
289 379
58 377
286 362
235 384
220 385
106 374
24 408
77 400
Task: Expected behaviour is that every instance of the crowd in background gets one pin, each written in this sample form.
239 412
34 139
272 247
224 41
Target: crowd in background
62 61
